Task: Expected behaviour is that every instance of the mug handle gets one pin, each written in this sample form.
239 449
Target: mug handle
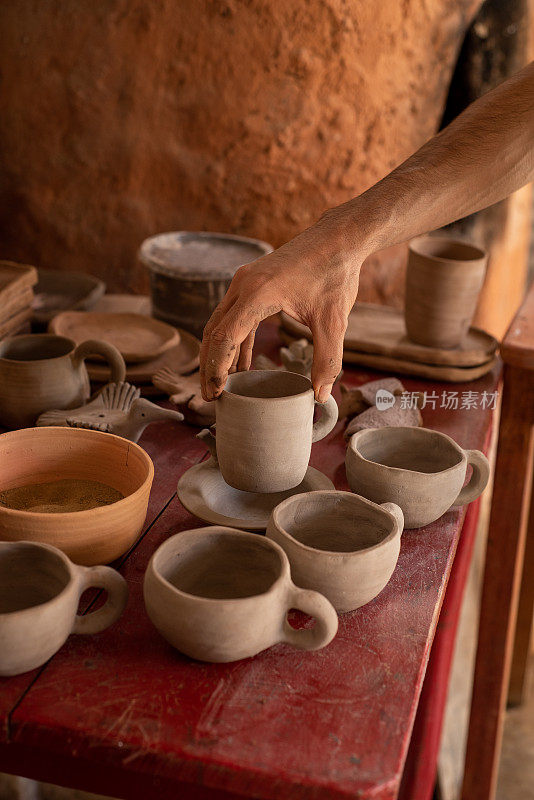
396 510
479 478
317 606
328 419
117 589
94 347
206 436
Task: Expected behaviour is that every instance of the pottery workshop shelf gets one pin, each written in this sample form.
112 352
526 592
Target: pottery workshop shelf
122 713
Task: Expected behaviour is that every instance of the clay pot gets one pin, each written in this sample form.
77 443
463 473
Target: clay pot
339 544
423 471
218 594
95 536
265 429
443 280
42 371
39 593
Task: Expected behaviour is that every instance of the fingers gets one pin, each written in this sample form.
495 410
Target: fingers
245 355
214 320
327 354
222 347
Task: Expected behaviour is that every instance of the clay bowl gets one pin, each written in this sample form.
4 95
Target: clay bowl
44 455
217 594
421 470
339 544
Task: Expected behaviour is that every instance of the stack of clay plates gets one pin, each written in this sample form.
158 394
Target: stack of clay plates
16 297
146 344
376 338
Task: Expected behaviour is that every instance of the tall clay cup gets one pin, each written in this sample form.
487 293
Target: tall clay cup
39 593
265 429
217 594
41 371
443 281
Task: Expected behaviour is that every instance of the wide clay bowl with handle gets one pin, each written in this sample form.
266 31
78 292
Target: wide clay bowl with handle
421 470
339 544
217 594
39 593
106 475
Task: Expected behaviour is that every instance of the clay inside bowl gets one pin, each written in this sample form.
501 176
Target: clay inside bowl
56 497
221 567
333 524
35 347
417 450
266 383
29 576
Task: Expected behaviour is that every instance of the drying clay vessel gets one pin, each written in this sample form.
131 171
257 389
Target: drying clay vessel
42 371
217 594
117 409
339 544
443 280
423 471
43 455
265 429
39 593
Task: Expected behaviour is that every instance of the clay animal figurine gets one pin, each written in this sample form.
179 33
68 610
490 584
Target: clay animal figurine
39 593
339 544
117 409
298 357
184 392
220 595
420 469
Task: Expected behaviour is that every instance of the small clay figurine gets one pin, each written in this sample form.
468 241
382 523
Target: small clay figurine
117 409
297 357
361 404
354 401
184 392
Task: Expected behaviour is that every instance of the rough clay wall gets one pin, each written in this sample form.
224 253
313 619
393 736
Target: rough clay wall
122 118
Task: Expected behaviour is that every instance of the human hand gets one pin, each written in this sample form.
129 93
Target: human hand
310 280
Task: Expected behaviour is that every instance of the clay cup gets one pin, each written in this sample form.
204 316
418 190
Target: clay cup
443 281
217 594
41 371
39 593
420 470
339 544
265 429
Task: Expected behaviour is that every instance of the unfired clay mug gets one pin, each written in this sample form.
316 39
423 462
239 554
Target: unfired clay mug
339 544
443 280
42 371
217 594
39 593
265 429
423 471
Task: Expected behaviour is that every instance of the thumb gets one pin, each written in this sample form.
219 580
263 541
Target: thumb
327 355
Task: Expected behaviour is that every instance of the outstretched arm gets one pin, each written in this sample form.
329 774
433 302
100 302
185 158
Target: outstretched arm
481 157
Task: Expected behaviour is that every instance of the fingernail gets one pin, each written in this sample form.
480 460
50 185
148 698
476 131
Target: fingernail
324 392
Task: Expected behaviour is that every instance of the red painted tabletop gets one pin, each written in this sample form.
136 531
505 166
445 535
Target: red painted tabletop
122 713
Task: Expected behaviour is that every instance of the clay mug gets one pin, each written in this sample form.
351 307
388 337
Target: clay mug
39 593
443 280
339 544
423 471
218 594
265 429
41 371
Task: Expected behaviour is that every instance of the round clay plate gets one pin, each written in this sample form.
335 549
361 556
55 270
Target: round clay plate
183 358
203 491
137 337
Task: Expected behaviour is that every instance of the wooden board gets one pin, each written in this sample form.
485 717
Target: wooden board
433 372
137 337
14 279
381 330
183 358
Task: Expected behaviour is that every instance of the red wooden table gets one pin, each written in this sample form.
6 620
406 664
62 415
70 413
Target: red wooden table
122 713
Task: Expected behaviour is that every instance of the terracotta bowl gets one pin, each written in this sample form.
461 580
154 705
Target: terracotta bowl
94 536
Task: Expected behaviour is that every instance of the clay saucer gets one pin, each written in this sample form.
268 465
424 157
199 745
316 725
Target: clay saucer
205 494
137 337
380 330
182 359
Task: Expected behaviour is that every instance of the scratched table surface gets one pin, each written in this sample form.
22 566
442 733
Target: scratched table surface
122 713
